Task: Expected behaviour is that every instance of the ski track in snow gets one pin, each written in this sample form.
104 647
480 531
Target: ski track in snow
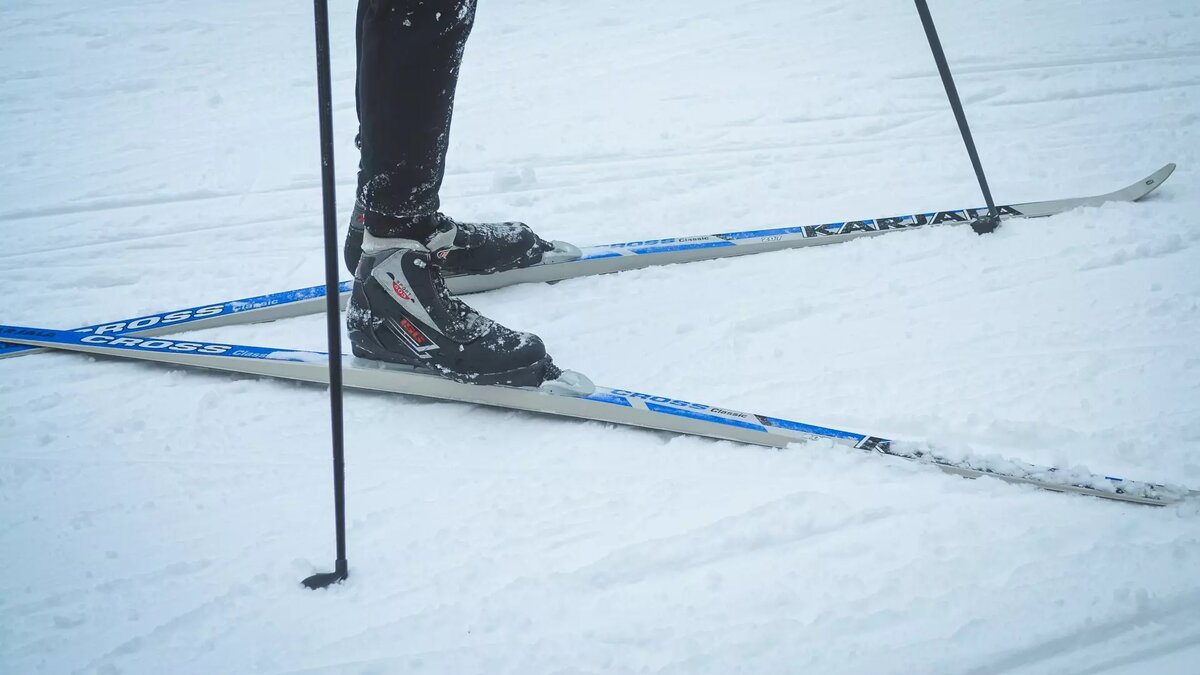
164 154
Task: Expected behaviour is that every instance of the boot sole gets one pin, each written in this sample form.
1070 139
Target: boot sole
364 345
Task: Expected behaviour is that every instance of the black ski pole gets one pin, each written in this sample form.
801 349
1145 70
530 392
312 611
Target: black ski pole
985 223
332 307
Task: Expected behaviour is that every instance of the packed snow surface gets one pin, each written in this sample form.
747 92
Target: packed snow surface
157 154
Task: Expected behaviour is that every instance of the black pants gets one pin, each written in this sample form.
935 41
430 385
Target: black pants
409 52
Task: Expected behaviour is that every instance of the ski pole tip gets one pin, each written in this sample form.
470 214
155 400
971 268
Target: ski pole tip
326 579
986 223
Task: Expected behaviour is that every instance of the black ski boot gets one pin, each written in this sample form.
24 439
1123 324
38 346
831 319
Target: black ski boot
467 248
401 312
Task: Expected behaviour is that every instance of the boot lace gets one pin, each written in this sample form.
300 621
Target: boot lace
465 318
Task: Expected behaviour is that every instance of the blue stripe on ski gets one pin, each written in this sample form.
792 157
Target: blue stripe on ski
681 247
182 317
810 429
154 344
612 396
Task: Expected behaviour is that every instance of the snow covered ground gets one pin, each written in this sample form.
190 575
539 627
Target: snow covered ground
160 153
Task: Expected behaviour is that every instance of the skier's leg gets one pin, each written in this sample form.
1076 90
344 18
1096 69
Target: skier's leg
409 53
400 311
409 57
358 23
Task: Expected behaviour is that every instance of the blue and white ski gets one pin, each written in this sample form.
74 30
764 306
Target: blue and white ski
601 404
603 259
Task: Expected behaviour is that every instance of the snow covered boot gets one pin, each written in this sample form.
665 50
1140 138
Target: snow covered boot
468 248
401 312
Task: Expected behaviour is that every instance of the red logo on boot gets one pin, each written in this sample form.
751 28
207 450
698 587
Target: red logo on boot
413 332
401 290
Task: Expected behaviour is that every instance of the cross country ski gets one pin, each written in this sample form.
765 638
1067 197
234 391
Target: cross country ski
577 397
603 259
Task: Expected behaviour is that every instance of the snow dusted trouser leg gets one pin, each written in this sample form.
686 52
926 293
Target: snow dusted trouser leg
409 52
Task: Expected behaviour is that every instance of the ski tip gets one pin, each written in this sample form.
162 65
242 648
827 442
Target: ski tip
569 383
1150 183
